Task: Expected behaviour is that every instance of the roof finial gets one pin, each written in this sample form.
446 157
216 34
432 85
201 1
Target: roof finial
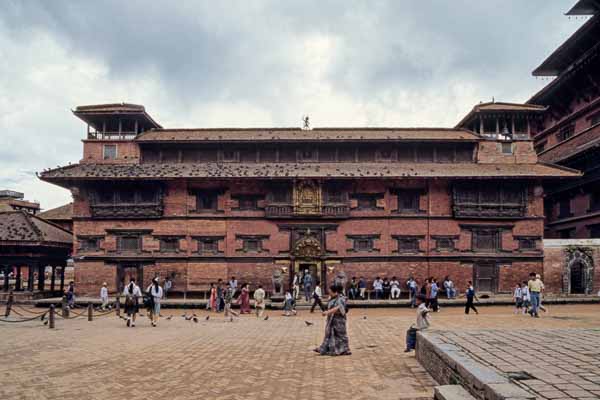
493 99
306 122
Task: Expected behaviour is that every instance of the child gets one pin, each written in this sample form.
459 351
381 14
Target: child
422 323
289 305
470 297
104 296
525 294
518 298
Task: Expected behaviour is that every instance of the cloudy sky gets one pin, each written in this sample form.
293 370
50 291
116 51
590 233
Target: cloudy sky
257 63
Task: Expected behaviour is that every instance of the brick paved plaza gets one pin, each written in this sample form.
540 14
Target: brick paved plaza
271 359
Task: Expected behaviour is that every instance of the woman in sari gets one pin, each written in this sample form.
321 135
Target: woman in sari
213 298
245 300
335 342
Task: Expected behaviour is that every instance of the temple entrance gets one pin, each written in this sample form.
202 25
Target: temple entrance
485 276
577 278
126 271
315 268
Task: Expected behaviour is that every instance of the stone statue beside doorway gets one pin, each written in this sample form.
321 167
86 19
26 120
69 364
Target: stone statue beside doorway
277 281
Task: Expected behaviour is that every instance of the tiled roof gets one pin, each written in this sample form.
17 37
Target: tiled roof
304 170
90 113
64 212
317 134
572 146
584 7
500 107
114 107
19 226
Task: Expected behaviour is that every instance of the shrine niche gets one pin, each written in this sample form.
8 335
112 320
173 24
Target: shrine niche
308 246
578 277
307 198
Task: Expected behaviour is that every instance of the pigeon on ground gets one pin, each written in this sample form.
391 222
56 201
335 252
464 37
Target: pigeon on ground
42 317
267 318
188 318
207 317
183 316
365 317
45 322
230 319
194 314
169 317
141 315
308 323
195 319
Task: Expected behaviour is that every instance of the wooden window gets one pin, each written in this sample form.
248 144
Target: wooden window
507 147
327 154
486 240
208 245
89 244
406 153
106 196
444 243
287 154
126 196
335 194
363 243
408 201
109 151
565 132
489 199
541 146
408 244
151 156
464 152
147 196
247 202
425 153
129 243
170 156
385 154
564 207
566 233
281 194
229 155
527 243
268 154
444 153
206 200
208 154
366 153
347 154
247 155
367 201
520 125
169 245
307 155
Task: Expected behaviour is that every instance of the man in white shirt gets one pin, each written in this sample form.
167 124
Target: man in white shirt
259 301
104 296
317 298
378 288
233 284
395 292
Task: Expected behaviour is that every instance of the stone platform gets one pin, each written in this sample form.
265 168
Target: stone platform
526 363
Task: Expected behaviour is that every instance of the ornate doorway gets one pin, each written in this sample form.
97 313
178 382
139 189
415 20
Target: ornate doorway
127 271
485 276
577 278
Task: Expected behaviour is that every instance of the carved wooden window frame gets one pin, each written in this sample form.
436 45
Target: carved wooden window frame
371 197
528 243
85 241
363 243
445 243
249 241
408 244
402 194
165 248
202 242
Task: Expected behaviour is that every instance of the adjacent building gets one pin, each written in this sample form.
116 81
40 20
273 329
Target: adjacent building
569 133
199 205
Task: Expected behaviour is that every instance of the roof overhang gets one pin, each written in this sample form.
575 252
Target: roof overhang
584 7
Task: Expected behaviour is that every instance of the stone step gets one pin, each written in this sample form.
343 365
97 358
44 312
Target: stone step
452 392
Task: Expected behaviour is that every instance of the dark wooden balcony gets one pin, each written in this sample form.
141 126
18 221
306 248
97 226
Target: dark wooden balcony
489 211
126 211
288 211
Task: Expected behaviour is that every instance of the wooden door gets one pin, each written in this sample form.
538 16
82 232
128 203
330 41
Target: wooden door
485 277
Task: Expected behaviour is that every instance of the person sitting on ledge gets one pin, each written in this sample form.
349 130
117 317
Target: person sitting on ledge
387 288
422 323
378 288
395 291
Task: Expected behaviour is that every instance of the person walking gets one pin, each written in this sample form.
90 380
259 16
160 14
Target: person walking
132 295
167 286
212 300
541 307
259 301
518 298
220 296
244 299
433 295
335 342
422 323
353 291
296 285
317 298
70 294
308 285
288 307
156 294
470 293
535 288
412 291
526 297
362 287
104 296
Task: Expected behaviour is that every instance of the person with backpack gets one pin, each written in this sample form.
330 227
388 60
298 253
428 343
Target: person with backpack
317 298
132 295
155 293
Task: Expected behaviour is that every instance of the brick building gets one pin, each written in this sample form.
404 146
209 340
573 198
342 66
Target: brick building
569 133
259 204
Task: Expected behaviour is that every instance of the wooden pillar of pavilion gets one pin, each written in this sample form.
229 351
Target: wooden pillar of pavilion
41 277
62 278
6 268
30 270
52 286
18 279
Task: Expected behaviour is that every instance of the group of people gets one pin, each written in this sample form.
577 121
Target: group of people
390 289
528 296
223 296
